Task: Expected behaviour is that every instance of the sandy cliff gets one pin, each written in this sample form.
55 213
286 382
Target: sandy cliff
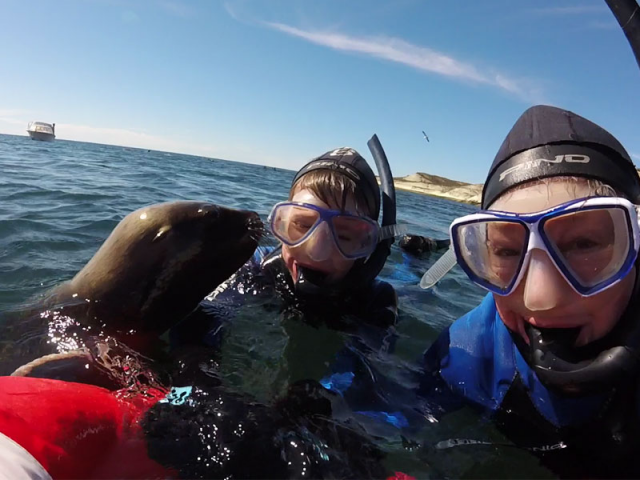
440 187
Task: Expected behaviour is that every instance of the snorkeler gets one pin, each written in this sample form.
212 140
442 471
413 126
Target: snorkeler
331 250
332 247
552 353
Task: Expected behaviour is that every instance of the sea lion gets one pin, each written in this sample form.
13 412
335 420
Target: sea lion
156 266
160 262
417 244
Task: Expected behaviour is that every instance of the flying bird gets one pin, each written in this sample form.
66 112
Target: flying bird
425 136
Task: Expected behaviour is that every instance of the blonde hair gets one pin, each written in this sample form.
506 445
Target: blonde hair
333 188
596 188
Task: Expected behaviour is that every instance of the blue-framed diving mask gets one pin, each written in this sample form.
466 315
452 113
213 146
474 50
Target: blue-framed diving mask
321 230
593 242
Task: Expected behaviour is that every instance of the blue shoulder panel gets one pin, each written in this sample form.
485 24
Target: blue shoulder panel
480 364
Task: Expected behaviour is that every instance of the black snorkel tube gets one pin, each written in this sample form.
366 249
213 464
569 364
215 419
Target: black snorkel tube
627 13
367 272
386 182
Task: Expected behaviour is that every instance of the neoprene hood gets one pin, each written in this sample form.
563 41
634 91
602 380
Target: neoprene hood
549 142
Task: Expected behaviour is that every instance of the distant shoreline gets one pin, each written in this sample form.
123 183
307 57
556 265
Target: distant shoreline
441 187
421 183
409 188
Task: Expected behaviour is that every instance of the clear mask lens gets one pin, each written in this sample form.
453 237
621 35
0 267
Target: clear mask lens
296 224
355 236
292 223
319 246
592 245
493 250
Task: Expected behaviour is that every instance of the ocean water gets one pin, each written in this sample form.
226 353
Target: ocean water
59 201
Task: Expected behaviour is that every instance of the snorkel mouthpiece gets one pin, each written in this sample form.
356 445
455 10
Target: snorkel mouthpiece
569 370
549 344
311 282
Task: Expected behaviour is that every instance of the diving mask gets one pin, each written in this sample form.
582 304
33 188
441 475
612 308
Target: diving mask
593 243
354 236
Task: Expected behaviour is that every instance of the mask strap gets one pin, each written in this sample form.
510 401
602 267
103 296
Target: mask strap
391 231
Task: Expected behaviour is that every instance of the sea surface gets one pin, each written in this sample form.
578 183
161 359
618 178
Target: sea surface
59 201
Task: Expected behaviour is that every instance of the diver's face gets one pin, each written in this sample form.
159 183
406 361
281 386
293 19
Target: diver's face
334 265
543 297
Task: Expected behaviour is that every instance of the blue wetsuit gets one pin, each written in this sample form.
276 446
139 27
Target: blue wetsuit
477 361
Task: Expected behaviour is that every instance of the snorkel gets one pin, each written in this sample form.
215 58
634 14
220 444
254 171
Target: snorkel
594 368
311 283
374 264
627 14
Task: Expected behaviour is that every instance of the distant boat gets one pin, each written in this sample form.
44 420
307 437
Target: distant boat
45 132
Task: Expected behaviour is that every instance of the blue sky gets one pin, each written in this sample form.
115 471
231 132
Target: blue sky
278 82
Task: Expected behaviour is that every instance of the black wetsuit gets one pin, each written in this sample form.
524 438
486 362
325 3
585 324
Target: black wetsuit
369 306
364 320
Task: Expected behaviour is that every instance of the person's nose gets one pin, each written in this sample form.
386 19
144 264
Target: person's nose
545 287
320 245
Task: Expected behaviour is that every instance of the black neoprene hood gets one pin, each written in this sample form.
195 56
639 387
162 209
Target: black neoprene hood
350 163
549 142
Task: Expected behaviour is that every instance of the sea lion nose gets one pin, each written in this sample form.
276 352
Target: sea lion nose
253 220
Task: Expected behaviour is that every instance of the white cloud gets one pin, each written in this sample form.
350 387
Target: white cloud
133 138
231 11
421 58
13 112
14 121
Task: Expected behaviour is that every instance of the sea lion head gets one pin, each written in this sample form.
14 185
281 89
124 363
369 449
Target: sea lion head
159 262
